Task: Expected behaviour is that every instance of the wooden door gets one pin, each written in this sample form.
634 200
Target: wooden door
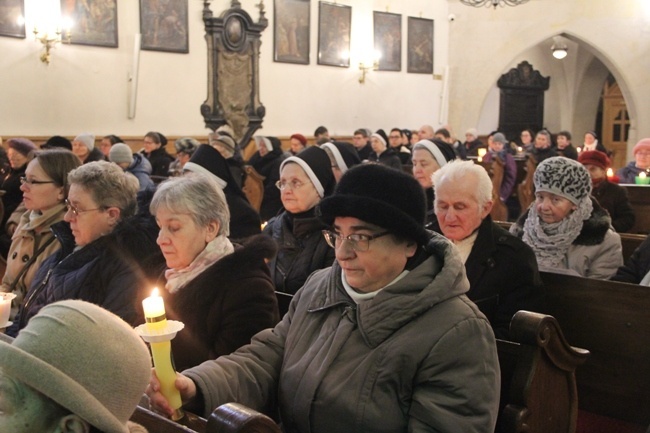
616 123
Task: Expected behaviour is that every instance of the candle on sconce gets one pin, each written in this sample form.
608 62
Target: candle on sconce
161 352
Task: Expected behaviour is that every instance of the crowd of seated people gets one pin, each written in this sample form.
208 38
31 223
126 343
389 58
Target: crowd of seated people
348 240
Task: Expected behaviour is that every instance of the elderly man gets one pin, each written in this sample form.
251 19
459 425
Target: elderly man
383 340
501 269
426 132
75 368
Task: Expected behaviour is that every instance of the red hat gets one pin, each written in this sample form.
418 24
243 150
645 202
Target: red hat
594 157
643 144
301 138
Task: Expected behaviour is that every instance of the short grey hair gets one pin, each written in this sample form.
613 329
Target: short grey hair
195 194
456 172
108 185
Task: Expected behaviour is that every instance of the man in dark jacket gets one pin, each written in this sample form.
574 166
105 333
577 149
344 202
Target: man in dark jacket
361 141
501 269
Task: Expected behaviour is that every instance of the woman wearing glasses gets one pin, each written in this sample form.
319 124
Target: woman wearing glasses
304 180
44 187
384 340
105 249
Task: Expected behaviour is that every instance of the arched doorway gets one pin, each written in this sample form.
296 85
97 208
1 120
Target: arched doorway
615 124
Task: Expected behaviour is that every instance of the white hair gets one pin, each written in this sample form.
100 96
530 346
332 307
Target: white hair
457 171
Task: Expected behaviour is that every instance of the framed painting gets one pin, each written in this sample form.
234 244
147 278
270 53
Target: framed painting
387 29
420 46
12 18
291 31
164 26
334 34
94 22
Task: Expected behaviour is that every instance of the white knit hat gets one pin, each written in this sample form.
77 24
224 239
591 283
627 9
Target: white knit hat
87 139
84 358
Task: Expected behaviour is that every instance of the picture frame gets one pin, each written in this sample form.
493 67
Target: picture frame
12 22
291 30
387 33
334 25
94 22
420 46
164 26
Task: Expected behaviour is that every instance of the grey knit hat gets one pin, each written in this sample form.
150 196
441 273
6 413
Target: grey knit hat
84 358
120 153
87 139
564 177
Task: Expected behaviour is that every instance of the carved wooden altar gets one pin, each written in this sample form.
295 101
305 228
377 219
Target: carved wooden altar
233 41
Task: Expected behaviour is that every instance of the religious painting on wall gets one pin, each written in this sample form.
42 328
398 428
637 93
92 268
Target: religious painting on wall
420 46
93 22
291 31
388 40
164 25
12 18
334 34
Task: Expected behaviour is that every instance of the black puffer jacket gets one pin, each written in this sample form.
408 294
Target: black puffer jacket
302 249
115 271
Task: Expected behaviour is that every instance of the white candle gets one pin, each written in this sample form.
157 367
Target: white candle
5 307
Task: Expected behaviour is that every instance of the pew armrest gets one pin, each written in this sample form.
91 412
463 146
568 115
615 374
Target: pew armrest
237 418
538 385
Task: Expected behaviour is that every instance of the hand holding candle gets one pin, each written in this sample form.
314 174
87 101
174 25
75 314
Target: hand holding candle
156 324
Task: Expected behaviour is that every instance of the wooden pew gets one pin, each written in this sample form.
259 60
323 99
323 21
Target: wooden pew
227 418
630 242
538 384
611 320
639 196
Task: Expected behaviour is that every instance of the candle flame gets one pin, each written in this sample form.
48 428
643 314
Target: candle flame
155 292
610 172
642 175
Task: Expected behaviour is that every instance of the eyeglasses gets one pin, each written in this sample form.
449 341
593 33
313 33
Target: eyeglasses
358 242
76 211
32 182
643 153
294 184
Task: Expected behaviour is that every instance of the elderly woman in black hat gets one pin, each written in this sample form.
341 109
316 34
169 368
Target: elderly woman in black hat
427 158
75 368
305 179
566 228
384 340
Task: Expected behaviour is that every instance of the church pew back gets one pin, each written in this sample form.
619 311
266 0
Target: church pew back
611 320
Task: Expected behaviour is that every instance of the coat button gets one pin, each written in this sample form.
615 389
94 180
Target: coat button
14 255
25 258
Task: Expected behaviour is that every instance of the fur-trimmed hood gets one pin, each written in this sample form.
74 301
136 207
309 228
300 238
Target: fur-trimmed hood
593 230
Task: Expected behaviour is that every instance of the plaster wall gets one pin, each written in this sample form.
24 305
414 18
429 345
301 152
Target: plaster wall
485 43
85 88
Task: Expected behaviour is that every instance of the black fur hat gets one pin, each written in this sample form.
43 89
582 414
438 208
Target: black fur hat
382 196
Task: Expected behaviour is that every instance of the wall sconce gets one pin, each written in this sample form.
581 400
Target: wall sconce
49 41
48 25
368 65
559 48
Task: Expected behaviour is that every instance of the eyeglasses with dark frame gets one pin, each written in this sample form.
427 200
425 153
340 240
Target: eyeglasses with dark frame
76 211
32 182
358 242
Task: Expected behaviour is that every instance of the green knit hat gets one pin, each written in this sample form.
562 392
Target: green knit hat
84 358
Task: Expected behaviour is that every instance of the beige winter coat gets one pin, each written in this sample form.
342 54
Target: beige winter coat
30 235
